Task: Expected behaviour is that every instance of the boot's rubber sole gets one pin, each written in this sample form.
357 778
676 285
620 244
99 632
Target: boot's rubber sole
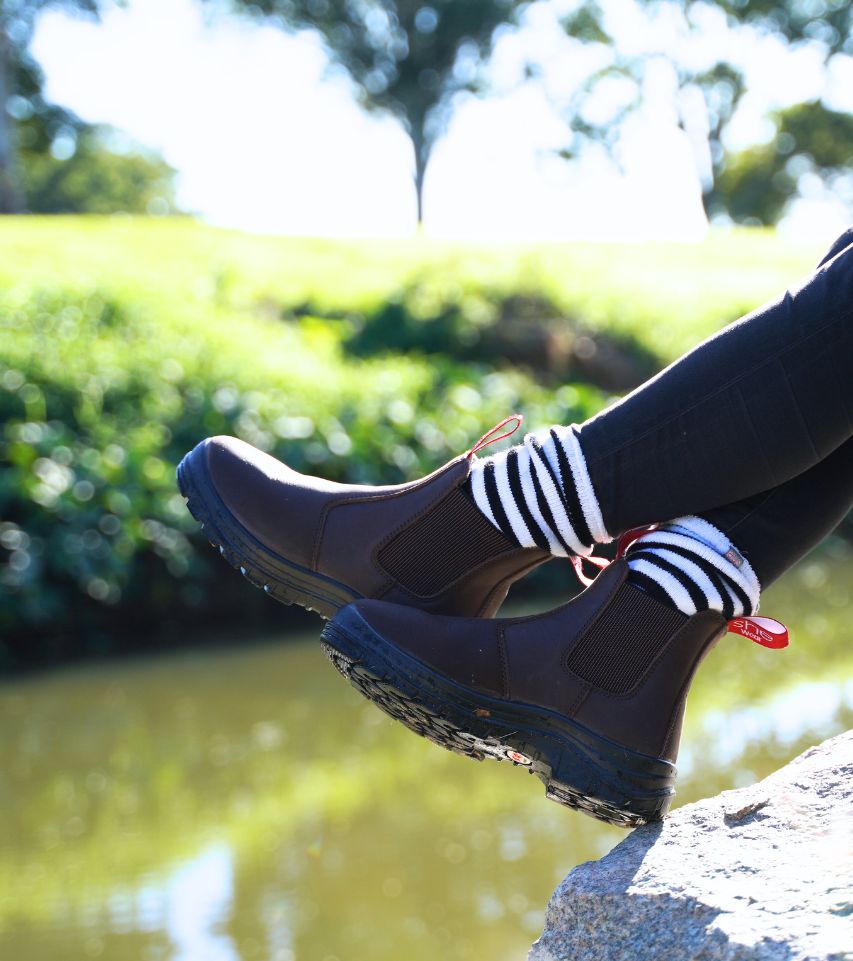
579 768
282 579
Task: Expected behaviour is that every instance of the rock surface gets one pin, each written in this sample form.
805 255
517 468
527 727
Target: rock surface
764 873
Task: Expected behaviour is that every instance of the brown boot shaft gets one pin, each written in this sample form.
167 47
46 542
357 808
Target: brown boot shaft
614 659
322 544
589 697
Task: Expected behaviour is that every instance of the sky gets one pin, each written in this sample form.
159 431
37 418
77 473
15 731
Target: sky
265 140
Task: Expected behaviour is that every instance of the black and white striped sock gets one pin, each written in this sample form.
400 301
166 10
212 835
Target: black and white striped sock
539 494
692 565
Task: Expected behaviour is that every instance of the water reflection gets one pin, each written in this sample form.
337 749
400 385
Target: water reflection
247 804
198 898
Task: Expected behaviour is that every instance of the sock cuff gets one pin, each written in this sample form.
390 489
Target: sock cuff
568 437
540 494
697 537
699 577
545 463
477 480
509 501
671 585
702 530
705 532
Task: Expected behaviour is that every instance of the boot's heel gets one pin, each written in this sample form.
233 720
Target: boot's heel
594 774
631 791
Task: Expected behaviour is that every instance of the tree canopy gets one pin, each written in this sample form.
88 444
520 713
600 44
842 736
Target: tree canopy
21 90
750 186
407 57
811 141
90 173
50 160
412 59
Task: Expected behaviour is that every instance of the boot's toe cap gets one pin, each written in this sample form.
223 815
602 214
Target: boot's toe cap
277 505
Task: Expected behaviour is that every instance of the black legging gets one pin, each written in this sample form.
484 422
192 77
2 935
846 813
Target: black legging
752 429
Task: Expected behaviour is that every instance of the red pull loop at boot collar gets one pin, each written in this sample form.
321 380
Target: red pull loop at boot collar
624 542
628 538
577 563
489 438
763 630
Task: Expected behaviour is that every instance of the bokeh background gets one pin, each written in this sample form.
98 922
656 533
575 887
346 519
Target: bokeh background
355 233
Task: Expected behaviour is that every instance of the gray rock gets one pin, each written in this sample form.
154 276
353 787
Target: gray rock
764 873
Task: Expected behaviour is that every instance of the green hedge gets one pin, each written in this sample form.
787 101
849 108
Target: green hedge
99 400
124 342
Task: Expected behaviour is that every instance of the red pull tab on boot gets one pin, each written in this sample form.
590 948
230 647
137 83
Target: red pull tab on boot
628 538
577 564
763 630
625 541
490 438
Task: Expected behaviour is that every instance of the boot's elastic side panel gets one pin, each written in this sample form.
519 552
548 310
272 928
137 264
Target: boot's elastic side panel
601 655
441 546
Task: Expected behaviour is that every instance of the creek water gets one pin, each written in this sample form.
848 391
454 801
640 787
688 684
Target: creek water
242 802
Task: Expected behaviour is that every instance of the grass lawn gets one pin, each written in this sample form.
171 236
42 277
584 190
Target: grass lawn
668 295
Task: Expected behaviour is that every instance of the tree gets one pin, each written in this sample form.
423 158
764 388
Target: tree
826 27
9 200
89 174
50 160
21 89
757 185
827 24
409 58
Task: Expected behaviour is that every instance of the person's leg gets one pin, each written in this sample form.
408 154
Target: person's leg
751 542
840 243
745 412
590 697
776 528
751 408
722 559
609 672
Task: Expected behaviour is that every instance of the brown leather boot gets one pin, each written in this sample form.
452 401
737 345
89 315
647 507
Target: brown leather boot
320 544
589 697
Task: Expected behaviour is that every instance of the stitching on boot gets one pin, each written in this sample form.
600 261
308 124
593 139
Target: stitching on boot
683 692
505 692
579 701
680 703
319 535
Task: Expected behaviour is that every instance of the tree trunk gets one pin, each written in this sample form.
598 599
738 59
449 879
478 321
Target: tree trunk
420 169
422 151
708 198
10 200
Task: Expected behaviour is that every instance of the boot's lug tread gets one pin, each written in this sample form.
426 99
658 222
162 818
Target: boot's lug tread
580 769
